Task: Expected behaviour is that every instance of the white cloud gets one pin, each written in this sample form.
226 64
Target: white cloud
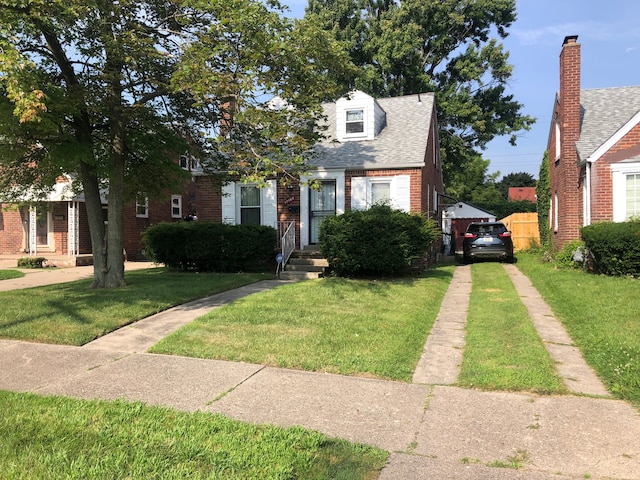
589 30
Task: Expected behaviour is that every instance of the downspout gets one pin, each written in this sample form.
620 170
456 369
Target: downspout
587 205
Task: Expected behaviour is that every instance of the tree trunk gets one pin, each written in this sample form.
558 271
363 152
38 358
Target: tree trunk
93 204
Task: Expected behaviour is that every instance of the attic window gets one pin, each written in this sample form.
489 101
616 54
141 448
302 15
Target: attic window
354 121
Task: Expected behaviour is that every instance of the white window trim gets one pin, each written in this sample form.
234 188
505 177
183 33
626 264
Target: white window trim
619 174
363 133
190 163
399 190
178 205
145 206
558 143
268 203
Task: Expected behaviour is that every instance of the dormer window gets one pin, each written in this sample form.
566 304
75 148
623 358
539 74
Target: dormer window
358 117
354 121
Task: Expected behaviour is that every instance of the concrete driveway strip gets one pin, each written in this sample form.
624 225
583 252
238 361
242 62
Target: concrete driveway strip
577 375
441 358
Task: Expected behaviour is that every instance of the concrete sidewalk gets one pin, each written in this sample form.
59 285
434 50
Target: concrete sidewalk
433 429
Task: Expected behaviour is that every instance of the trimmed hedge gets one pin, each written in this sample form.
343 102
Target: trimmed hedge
615 247
378 241
211 247
31 262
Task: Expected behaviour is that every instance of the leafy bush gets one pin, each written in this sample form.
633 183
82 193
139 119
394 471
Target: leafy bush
378 241
31 262
210 247
615 247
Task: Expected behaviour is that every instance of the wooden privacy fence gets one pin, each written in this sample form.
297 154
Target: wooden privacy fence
524 229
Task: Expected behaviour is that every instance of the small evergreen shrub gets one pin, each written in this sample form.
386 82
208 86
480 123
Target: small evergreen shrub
211 247
615 247
374 242
31 262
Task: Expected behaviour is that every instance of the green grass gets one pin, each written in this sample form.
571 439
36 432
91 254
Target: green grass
503 350
55 437
74 314
353 327
8 274
602 316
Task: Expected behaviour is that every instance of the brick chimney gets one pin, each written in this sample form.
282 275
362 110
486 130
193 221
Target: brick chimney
564 171
570 90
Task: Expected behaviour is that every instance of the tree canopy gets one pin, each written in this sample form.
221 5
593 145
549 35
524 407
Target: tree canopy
450 47
110 93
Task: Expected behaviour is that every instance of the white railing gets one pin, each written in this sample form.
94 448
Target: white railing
288 243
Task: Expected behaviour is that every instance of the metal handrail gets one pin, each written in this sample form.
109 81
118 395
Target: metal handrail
288 243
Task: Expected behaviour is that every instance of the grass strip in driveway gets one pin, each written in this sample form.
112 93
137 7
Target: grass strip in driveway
55 437
74 314
503 350
371 328
602 317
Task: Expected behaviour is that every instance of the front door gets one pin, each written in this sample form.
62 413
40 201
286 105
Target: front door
322 205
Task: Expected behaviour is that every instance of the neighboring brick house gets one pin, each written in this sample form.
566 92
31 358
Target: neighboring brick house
517 194
384 150
594 152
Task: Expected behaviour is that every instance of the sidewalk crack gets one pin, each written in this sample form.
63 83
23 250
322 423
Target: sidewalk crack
231 389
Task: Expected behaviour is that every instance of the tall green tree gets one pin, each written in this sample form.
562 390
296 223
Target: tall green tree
450 47
109 93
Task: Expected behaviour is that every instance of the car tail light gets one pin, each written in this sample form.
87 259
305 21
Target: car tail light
470 235
505 234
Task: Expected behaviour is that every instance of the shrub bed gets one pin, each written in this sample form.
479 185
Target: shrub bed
211 247
615 247
378 241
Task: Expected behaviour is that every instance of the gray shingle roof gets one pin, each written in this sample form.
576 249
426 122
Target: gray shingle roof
401 144
603 112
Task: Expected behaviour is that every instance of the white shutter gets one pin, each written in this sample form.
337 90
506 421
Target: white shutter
229 203
270 204
358 193
401 192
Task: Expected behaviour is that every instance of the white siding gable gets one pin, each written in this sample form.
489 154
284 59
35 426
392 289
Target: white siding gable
374 117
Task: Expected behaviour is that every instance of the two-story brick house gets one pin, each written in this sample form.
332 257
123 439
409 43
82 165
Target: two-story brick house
376 150
594 152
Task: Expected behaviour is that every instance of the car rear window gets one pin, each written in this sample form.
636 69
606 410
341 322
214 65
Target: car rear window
491 228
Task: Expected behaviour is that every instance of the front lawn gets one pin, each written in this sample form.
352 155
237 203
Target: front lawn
602 316
55 437
9 274
73 314
353 327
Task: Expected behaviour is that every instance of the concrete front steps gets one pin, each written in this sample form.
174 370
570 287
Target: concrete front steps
304 264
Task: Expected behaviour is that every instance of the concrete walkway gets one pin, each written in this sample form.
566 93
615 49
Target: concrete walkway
433 429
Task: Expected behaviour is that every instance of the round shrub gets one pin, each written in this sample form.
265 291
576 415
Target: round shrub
374 242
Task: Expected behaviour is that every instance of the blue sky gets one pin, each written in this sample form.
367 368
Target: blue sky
609 32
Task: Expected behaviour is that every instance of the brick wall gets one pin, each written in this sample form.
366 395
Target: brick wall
12 238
